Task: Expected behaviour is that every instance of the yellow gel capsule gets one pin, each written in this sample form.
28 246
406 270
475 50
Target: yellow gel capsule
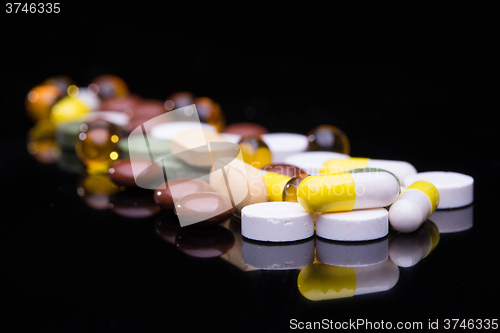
255 152
321 282
327 193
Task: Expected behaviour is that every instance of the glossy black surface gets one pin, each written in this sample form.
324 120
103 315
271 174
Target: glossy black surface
413 84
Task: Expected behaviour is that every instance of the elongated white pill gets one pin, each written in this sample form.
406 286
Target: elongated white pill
356 225
455 189
283 145
400 169
278 221
312 161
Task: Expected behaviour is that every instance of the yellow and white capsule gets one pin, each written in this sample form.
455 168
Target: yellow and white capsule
414 206
328 193
400 169
281 187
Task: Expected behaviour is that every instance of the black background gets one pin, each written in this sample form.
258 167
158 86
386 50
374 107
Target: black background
414 83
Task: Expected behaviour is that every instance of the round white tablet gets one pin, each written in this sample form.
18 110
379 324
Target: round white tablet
283 145
356 225
312 161
278 221
455 189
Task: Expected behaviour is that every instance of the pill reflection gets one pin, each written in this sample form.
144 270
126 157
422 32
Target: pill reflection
352 254
278 256
204 241
407 249
319 281
454 220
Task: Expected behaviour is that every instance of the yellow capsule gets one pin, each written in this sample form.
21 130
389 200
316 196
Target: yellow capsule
275 184
281 187
345 191
344 165
327 193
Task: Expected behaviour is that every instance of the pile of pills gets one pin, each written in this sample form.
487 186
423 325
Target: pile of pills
284 186
279 201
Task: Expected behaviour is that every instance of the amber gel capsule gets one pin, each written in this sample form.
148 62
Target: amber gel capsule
345 191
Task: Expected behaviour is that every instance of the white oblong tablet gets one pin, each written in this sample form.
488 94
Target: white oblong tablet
278 221
455 189
356 225
278 256
312 161
401 169
283 145
167 131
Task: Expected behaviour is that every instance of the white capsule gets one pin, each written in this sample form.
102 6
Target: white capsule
400 169
413 206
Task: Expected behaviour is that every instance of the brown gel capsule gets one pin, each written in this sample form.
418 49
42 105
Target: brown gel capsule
171 191
204 208
121 173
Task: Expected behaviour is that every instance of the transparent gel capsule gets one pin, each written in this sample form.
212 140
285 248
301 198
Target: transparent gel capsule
210 112
97 145
328 138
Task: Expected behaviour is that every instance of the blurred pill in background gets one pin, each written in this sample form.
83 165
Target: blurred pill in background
328 138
